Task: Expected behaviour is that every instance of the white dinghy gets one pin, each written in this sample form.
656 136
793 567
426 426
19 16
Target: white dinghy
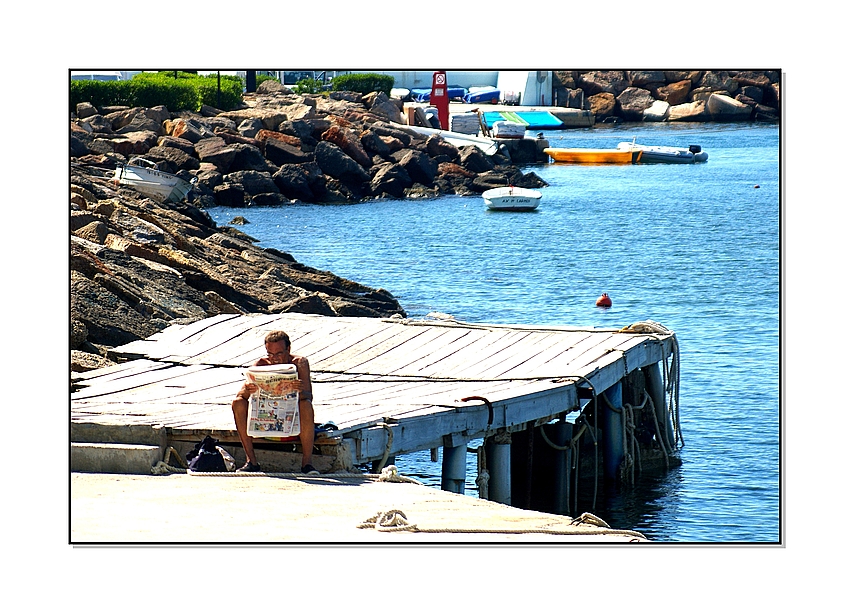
512 199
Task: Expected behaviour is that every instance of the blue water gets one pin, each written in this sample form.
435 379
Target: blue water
694 247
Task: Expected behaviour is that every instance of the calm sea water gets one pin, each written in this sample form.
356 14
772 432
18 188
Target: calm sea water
694 247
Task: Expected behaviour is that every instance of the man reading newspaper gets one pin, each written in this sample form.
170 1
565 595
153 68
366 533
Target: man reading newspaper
277 352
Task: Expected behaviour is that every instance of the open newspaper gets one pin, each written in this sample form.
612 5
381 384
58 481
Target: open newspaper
273 409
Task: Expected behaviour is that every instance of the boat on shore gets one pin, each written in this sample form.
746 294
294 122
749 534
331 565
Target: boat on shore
666 155
512 199
594 156
144 177
458 139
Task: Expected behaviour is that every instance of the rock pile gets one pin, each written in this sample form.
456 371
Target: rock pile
138 266
671 95
282 147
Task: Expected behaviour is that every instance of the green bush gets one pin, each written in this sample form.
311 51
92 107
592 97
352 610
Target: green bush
308 86
187 92
364 83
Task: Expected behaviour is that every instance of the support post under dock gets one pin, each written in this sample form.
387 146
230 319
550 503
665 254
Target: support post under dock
563 457
454 468
498 450
613 445
655 389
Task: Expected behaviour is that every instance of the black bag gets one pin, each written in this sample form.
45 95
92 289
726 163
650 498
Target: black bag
205 458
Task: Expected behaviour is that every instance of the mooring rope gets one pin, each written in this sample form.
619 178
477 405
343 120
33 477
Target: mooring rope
395 520
670 373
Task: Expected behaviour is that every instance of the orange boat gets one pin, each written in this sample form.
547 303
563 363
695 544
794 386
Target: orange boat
594 156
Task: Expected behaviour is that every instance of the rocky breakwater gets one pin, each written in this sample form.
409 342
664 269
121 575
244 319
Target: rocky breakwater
671 95
138 265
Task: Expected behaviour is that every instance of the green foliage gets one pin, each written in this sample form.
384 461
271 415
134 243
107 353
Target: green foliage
308 86
187 91
363 83
264 77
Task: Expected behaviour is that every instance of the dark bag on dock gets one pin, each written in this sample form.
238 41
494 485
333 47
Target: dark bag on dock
205 458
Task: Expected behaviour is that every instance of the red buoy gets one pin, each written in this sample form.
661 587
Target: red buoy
603 300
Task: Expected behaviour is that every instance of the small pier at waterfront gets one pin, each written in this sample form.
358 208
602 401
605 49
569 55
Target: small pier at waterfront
548 401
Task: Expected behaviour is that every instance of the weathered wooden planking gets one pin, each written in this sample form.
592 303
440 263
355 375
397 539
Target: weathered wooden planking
516 363
336 357
153 378
246 347
469 350
510 346
393 359
173 338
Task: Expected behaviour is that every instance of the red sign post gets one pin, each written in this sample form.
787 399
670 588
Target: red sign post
440 97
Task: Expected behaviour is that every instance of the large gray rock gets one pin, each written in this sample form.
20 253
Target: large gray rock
293 181
249 157
216 152
85 109
280 153
174 159
419 166
646 78
334 162
633 102
658 111
141 122
599 81
472 158
690 111
390 179
253 181
725 108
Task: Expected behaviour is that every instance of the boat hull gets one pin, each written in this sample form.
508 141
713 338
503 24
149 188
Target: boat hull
593 156
512 199
666 155
153 183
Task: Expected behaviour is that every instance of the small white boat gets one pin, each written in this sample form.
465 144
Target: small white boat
142 175
666 155
512 199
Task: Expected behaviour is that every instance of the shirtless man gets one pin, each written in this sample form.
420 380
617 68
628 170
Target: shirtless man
277 350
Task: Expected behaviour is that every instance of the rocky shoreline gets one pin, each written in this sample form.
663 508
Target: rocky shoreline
138 266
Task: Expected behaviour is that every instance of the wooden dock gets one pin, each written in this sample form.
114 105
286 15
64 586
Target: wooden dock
391 386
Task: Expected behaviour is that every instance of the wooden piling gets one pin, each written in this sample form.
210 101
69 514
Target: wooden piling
655 389
498 450
561 485
454 468
611 422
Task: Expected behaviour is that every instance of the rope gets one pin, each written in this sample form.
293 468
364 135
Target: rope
483 478
386 455
658 434
390 474
671 374
395 520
